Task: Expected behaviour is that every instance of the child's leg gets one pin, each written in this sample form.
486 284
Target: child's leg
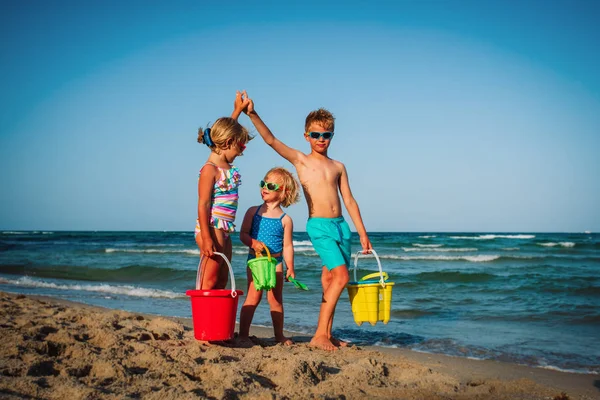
252 300
331 295
212 276
326 278
224 243
275 298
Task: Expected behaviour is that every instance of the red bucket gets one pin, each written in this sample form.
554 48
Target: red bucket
214 311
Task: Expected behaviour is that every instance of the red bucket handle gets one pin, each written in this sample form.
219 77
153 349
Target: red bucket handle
198 275
381 278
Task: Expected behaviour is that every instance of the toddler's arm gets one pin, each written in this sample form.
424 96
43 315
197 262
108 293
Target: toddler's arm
288 246
245 232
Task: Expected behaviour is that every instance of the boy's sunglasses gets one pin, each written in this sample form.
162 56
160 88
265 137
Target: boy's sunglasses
318 135
271 187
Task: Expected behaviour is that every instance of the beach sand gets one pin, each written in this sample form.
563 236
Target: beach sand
54 349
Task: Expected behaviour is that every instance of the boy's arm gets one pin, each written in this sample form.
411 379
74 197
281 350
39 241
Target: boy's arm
288 246
290 154
353 210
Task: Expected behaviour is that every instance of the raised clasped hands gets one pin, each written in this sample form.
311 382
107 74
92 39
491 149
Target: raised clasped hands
241 102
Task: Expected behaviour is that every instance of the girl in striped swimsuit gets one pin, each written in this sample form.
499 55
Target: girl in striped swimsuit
218 184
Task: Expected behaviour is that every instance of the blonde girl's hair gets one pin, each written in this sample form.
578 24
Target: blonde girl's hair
322 117
291 187
222 131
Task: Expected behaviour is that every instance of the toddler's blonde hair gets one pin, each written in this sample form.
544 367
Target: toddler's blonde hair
291 191
222 131
321 116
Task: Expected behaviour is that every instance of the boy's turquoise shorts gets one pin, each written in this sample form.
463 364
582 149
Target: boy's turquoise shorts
331 239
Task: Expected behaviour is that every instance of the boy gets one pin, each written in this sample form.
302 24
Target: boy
321 177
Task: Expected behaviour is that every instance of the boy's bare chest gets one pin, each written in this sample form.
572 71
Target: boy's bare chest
318 174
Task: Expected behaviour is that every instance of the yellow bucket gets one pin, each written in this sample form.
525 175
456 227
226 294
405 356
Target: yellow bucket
371 299
263 271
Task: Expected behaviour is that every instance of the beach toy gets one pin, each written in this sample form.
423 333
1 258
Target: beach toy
263 271
298 284
371 297
214 311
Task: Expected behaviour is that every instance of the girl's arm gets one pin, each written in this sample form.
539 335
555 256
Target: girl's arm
205 190
245 231
353 210
288 246
239 104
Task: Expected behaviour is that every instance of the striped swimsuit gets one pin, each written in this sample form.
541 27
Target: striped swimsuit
224 199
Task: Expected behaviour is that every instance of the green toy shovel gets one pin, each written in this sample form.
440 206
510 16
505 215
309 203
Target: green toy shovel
298 284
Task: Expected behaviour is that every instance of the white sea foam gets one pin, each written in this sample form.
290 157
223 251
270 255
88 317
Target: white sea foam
427 245
477 258
126 290
14 233
491 237
511 249
302 243
427 237
562 244
446 250
305 249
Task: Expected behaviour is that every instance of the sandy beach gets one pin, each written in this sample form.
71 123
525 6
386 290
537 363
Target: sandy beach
53 349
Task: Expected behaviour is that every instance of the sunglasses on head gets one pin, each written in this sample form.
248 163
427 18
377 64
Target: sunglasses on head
318 135
271 187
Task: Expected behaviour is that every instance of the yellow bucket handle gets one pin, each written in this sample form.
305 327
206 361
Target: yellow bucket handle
268 252
374 275
198 275
380 273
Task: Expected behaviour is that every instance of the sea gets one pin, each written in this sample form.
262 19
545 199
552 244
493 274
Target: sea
525 298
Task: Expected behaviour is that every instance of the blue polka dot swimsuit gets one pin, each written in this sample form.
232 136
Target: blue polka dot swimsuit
269 231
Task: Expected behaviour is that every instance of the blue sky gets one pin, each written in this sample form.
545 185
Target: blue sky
451 115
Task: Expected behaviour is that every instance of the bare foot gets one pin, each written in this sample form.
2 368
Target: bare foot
338 342
284 341
321 342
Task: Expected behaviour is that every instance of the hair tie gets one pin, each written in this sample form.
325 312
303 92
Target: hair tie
207 140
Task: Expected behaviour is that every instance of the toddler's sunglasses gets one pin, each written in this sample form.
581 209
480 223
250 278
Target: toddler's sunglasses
271 187
318 135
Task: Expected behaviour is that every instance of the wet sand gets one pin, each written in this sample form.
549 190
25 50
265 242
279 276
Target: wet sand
54 349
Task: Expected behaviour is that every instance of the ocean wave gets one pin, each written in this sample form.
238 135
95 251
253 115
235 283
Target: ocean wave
427 237
455 276
561 244
446 250
511 249
477 258
126 290
492 237
302 243
427 245
194 252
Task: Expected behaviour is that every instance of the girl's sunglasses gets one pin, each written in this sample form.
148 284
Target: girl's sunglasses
271 187
318 135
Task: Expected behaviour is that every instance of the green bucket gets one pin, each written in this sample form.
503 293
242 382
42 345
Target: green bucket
263 271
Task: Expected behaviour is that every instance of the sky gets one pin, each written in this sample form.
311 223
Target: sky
450 115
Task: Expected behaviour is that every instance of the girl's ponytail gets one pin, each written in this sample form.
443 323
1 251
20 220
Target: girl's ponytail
204 137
